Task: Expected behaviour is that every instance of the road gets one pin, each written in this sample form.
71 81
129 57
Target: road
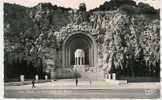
83 93
69 90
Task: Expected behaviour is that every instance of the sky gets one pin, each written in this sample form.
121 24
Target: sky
75 3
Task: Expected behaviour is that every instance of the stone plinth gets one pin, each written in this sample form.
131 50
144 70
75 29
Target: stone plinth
21 78
114 76
46 77
36 77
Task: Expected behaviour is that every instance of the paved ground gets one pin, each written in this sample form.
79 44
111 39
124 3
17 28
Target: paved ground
100 89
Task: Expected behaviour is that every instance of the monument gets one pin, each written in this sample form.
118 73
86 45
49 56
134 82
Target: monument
107 42
81 52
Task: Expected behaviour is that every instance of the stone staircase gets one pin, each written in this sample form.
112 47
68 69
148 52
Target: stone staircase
90 73
85 73
91 76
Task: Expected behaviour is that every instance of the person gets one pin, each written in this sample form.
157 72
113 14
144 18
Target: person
76 80
33 83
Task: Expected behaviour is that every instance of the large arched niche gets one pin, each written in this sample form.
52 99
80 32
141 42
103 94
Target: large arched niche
79 40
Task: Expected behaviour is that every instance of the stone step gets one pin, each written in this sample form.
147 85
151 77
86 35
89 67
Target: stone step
91 75
118 82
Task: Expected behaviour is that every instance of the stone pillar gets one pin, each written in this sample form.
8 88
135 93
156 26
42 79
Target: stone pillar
109 76
114 76
84 60
21 78
75 60
78 60
36 77
81 61
46 77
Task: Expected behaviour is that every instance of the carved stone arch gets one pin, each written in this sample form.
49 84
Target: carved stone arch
79 40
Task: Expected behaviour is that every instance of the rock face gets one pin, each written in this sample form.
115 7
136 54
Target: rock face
126 43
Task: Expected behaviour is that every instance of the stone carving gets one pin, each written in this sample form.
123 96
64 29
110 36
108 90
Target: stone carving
81 15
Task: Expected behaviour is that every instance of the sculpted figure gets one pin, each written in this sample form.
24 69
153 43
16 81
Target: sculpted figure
81 15
93 20
108 63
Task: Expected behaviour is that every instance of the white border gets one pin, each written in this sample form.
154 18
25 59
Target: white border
2 55
1 51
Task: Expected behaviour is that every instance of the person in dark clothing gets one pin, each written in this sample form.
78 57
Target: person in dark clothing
33 83
76 80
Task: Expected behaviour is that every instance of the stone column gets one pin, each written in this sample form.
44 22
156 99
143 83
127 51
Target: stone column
80 60
84 60
21 78
75 61
114 76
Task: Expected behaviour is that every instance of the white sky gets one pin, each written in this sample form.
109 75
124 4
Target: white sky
75 3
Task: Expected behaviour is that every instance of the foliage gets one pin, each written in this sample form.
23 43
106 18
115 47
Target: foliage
129 6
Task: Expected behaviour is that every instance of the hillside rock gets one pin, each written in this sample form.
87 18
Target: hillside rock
126 42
